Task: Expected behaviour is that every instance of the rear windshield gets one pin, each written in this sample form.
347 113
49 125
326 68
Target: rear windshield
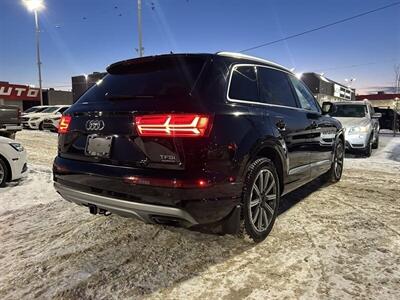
348 111
157 78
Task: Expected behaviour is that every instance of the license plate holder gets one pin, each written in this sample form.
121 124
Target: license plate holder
98 146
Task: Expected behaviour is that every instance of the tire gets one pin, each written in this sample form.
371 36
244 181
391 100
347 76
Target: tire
368 150
335 172
41 126
3 173
376 144
262 183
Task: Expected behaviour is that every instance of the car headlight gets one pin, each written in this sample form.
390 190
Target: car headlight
359 129
34 119
18 147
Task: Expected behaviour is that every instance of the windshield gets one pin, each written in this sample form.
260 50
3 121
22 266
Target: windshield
50 109
348 111
161 77
32 109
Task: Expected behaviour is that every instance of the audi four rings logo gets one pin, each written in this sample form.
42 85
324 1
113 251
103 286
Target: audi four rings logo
95 125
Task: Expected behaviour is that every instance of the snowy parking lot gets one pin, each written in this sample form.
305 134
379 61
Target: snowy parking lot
339 242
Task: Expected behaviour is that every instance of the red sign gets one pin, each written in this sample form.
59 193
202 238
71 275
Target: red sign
18 92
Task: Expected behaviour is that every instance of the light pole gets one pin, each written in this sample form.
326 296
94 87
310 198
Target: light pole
35 6
139 20
396 104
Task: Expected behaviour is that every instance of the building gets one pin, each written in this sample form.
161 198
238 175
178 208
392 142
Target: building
81 83
57 97
25 96
381 99
325 89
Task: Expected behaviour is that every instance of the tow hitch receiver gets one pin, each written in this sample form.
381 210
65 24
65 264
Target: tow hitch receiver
93 209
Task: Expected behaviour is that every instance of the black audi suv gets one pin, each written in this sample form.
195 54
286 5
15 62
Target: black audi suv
195 140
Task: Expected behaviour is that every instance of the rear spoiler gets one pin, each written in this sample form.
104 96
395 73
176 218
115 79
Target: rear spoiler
129 64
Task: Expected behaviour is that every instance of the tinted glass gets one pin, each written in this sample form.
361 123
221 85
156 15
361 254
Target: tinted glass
32 109
50 110
306 99
40 109
372 111
156 78
63 109
275 87
348 111
244 84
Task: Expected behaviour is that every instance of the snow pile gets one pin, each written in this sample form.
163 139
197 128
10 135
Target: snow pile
36 188
384 159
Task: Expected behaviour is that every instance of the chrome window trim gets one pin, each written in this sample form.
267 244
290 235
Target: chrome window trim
245 56
257 102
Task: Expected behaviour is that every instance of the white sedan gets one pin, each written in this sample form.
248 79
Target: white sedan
13 163
35 120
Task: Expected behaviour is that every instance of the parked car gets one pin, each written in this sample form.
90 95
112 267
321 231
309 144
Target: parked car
361 124
51 123
13 163
35 120
30 111
34 109
195 140
386 121
10 120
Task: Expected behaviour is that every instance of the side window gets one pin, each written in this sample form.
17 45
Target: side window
244 84
62 110
371 109
275 87
306 99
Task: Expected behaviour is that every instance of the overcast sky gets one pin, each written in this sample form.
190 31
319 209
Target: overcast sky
82 36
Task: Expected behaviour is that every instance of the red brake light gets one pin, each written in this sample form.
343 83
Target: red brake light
173 125
64 124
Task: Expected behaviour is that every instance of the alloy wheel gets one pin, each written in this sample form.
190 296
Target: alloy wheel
262 203
2 173
339 157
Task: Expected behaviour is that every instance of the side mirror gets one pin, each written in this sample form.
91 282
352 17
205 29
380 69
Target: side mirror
326 107
376 115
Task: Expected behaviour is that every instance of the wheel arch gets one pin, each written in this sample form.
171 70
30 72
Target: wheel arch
8 166
273 154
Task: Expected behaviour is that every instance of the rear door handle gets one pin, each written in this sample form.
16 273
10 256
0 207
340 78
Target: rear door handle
281 125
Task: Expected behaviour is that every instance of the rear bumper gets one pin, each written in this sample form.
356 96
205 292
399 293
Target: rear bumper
145 212
9 127
105 186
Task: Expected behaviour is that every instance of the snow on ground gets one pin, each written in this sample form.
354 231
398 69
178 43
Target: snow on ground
384 159
34 189
330 242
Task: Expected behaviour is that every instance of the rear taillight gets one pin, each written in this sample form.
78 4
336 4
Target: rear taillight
174 125
64 124
172 183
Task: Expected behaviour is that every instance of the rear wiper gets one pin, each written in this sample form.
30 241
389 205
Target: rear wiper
127 97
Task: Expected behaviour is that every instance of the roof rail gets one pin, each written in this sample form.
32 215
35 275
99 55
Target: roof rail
241 55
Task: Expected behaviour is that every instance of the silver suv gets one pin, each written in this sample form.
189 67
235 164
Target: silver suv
360 122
